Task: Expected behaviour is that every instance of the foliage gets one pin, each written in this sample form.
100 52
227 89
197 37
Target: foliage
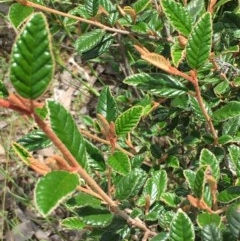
167 153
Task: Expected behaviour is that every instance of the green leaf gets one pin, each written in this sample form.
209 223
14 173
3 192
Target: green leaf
177 53
204 219
230 110
89 40
22 153
52 189
67 131
3 90
18 13
171 199
190 178
158 84
73 223
35 140
211 232
208 158
107 5
92 7
160 179
181 228
234 152
120 163
229 194
107 105
95 157
178 16
199 182
130 184
95 217
195 7
83 200
128 120
199 42
163 236
233 218
140 5
32 67
99 49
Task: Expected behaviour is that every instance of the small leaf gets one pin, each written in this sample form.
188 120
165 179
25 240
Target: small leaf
73 223
233 218
158 84
234 152
52 189
107 5
3 90
89 40
177 53
128 120
95 217
190 178
107 105
178 16
230 110
140 5
229 194
67 131
208 158
163 236
120 163
18 13
199 42
171 199
130 184
35 140
32 66
211 232
199 182
181 228
22 153
92 7
204 219
83 200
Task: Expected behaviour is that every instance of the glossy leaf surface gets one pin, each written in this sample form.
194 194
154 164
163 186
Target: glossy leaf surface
52 189
32 65
67 131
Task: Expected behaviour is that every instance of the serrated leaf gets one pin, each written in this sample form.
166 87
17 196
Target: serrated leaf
67 131
178 16
211 232
95 157
128 120
18 13
140 5
230 110
204 219
73 223
92 7
208 158
190 178
171 199
229 194
83 200
195 7
89 40
52 189
165 219
233 218
107 105
199 42
177 53
199 183
130 184
158 84
22 153
32 67
35 140
181 228
120 163
234 152
107 5
160 179
95 217
163 236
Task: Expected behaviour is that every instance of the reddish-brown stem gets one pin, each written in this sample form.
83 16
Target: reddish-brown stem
88 179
